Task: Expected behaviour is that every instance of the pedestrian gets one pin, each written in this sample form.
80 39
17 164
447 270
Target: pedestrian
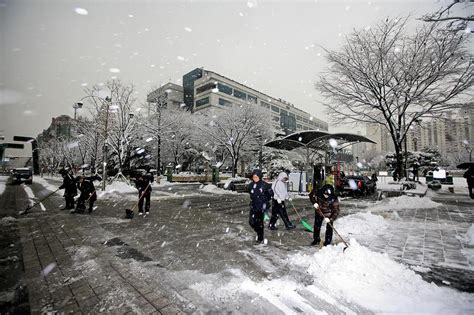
416 177
88 194
469 176
374 177
69 186
280 194
143 184
325 202
260 196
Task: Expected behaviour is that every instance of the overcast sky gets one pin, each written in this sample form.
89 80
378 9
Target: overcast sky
52 50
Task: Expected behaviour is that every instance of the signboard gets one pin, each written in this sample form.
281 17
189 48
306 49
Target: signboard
440 174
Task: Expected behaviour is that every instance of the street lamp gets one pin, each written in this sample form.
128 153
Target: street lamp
76 106
108 101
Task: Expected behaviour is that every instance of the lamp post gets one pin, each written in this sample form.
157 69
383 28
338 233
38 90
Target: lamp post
76 106
108 100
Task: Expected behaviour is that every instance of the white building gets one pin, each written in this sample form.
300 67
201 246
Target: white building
206 89
168 95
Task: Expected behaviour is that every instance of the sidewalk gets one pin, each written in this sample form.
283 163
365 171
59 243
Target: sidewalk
52 242
194 248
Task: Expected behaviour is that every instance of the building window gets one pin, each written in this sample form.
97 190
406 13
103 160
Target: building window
240 94
277 119
299 127
252 98
275 109
306 121
291 115
266 105
283 112
202 101
298 118
224 88
224 102
205 87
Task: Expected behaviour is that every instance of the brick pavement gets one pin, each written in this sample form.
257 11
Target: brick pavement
90 277
72 286
433 238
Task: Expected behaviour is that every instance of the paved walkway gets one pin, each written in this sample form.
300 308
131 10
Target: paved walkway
103 263
432 238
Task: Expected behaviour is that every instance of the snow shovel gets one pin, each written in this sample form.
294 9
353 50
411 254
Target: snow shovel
85 203
330 224
38 202
305 224
129 212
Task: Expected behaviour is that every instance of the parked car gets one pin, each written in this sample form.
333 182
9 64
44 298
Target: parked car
22 175
357 185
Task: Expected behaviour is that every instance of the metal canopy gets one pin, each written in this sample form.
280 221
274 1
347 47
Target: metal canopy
313 139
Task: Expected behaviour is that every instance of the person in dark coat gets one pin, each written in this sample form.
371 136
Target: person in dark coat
260 196
469 176
69 186
143 184
326 201
88 194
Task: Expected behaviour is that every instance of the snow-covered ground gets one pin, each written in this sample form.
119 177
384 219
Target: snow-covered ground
305 280
369 279
213 189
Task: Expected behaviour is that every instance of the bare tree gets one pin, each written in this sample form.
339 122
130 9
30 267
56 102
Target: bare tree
456 21
114 116
235 129
385 76
165 125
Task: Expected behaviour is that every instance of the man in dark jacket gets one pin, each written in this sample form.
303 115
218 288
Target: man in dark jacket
88 194
469 176
69 186
260 196
143 184
324 201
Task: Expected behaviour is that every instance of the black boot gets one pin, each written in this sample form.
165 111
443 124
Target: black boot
315 243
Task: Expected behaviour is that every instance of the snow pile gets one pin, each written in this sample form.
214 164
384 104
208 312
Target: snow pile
403 202
330 281
213 189
378 283
117 189
7 220
361 224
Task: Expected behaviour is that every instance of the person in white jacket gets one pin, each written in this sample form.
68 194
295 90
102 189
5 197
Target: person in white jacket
280 194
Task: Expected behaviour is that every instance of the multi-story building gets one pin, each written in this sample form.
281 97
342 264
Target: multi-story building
383 141
168 95
207 89
452 135
61 127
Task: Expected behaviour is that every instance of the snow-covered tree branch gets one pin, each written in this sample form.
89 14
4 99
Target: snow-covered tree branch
388 77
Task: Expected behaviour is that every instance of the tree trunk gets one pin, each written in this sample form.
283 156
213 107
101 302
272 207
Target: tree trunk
234 166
